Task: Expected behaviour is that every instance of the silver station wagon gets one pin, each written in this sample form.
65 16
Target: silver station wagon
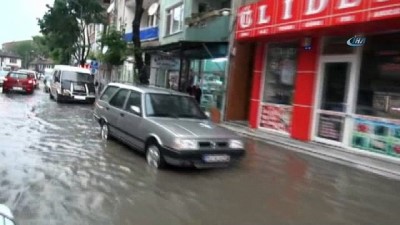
168 126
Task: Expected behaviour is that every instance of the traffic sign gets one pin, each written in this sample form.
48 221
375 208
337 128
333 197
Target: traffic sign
93 70
94 64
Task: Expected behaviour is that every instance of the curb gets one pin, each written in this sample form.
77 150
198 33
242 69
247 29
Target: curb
365 161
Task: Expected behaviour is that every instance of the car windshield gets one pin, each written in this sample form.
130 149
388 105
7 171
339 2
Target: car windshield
77 77
176 106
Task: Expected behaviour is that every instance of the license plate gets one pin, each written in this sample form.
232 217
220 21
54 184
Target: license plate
17 88
80 97
216 158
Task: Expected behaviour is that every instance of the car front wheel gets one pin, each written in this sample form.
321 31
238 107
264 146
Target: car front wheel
154 156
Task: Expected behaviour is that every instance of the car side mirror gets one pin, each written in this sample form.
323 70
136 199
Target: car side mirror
135 109
6 216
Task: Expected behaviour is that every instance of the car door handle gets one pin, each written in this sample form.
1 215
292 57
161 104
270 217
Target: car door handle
107 108
122 114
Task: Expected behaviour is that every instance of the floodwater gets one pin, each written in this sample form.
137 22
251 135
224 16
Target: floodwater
55 169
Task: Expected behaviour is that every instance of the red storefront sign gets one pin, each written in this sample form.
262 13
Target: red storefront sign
269 16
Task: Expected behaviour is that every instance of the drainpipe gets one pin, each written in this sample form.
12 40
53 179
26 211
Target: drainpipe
180 66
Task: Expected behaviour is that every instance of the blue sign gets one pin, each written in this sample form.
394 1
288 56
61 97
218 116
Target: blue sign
356 41
93 70
94 64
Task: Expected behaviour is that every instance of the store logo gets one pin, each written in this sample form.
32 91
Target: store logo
356 41
245 18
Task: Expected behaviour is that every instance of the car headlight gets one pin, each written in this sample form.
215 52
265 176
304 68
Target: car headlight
185 144
236 144
66 92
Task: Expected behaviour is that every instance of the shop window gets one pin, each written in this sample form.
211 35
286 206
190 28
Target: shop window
379 84
337 46
376 127
280 73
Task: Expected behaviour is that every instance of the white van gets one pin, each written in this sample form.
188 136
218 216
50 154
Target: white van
71 83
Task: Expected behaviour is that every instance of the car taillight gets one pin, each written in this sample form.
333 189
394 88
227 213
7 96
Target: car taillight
5 79
30 81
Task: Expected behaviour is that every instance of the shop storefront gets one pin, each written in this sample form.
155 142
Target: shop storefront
326 71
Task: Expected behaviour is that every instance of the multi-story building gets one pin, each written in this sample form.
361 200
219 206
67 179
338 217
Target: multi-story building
10 60
193 36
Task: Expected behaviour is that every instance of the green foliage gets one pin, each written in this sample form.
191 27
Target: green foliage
63 27
117 48
26 50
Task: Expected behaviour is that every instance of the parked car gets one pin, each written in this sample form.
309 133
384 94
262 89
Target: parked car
71 83
6 216
168 126
3 74
19 81
35 76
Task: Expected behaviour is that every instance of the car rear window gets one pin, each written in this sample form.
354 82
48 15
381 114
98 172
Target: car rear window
19 75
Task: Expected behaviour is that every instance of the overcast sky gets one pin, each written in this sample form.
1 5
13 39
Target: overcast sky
18 18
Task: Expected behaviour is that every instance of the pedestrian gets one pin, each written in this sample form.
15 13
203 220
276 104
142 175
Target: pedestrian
189 90
197 93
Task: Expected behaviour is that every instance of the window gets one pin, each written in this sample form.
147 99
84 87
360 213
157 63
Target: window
175 106
152 21
57 76
379 84
119 99
280 73
174 19
133 100
108 93
19 75
77 77
13 60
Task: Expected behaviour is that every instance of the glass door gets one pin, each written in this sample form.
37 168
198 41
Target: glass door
335 104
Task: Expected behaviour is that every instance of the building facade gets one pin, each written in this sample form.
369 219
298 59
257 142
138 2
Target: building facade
326 71
10 60
193 37
121 15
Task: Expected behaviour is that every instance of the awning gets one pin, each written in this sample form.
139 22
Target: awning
191 50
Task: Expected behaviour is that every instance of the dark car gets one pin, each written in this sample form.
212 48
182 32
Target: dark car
19 81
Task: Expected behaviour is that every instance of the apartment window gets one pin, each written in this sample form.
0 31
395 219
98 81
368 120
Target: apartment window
13 60
152 21
174 19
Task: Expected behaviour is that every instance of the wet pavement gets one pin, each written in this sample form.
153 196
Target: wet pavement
55 169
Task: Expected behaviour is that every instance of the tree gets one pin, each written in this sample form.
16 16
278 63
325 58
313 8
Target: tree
138 53
65 27
116 48
25 49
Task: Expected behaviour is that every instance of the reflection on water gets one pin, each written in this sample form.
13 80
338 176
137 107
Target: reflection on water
54 169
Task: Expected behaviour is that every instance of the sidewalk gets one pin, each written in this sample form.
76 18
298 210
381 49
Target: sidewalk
364 160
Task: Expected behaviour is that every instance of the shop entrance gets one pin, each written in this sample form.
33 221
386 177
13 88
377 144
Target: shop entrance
335 91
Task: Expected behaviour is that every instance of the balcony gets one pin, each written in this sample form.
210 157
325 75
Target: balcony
130 4
211 27
146 34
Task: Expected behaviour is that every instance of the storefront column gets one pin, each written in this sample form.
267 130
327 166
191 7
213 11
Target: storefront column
304 91
256 85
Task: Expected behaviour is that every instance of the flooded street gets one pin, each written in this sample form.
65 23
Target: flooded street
55 169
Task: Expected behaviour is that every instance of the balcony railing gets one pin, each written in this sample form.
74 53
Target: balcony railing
146 34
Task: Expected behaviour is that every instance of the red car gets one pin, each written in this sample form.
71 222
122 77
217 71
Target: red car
19 81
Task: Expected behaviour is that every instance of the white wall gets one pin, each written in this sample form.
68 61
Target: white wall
6 62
